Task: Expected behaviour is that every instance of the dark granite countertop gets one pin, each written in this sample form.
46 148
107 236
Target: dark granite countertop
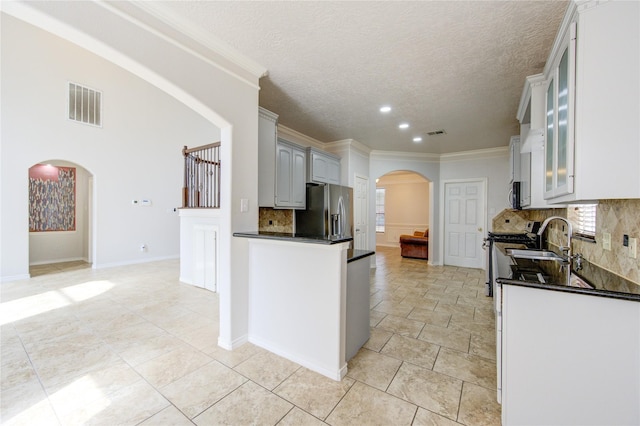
355 254
571 289
591 280
287 236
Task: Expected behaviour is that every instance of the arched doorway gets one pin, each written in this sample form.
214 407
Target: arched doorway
60 216
402 206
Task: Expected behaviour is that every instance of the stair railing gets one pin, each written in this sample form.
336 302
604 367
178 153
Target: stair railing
201 177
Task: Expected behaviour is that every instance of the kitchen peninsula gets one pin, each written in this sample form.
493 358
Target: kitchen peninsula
308 299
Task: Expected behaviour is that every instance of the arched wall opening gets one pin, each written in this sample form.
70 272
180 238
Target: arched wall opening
406 208
60 213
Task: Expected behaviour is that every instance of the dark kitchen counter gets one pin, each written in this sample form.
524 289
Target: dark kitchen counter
599 282
355 254
287 236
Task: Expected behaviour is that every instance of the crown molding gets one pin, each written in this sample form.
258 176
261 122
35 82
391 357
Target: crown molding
291 135
476 154
351 144
403 156
569 17
199 35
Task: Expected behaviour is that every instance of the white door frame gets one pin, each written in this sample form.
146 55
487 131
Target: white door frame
357 176
443 199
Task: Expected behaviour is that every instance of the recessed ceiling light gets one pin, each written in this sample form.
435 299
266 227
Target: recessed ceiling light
403 126
417 139
385 109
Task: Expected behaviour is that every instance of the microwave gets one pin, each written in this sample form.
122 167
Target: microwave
515 196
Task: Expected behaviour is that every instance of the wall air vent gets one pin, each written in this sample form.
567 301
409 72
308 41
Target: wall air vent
85 105
437 132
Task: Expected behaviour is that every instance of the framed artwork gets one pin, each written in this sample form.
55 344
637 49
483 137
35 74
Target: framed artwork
52 198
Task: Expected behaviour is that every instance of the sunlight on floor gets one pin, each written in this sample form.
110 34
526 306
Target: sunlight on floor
37 304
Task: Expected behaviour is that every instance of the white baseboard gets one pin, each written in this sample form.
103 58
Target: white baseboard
337 375
11 278
234 344
134 262
53 261
395 245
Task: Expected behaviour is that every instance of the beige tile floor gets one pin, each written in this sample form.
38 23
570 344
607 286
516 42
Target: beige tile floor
132 345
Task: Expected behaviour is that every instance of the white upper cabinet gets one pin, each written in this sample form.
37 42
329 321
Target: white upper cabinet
290 176
323 167
559 109
532 117
281 167
592 122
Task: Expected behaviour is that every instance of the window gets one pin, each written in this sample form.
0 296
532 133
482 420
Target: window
583 217
379 209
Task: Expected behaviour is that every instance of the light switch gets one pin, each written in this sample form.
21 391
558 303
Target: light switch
633 248
244 205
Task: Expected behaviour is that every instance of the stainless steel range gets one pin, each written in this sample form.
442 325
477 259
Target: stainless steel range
527 237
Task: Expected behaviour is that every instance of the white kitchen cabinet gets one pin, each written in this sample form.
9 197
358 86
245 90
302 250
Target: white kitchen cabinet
531 115
559 108
323 167
290 188
593 104
281 167
569 359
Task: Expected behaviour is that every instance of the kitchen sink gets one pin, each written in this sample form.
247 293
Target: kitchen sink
534 254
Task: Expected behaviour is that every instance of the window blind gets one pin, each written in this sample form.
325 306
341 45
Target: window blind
584 217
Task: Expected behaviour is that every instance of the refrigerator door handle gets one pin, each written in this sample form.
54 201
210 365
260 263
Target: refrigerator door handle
342 216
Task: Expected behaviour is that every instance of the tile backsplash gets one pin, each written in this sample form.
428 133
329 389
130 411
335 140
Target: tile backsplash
275 220
617 217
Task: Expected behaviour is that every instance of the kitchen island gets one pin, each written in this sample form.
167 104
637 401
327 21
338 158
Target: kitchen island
298 298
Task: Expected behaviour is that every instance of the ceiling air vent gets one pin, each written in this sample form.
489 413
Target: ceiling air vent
85 105
437 132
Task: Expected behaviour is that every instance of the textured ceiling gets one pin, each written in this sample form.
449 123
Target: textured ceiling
453 65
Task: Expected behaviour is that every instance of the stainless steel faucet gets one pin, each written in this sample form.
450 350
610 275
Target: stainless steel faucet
565 267
565 249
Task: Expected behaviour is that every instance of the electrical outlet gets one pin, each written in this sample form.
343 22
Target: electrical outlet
606 241
633 248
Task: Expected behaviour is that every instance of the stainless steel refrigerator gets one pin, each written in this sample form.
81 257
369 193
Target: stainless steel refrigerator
329 212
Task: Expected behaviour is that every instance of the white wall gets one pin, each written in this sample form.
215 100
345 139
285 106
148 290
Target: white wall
406 206
493 165
220 90
51 247
136 154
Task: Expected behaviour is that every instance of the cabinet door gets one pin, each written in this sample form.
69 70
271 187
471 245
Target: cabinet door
559 142
549 147
333 171
298 175
284 160
267 137
319 172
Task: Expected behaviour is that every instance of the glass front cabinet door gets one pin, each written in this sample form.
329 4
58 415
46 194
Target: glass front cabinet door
560 107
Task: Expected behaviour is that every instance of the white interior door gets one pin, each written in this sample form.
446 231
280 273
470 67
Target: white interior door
464 217
360 214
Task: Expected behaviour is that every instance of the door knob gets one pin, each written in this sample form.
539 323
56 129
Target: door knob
479 229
